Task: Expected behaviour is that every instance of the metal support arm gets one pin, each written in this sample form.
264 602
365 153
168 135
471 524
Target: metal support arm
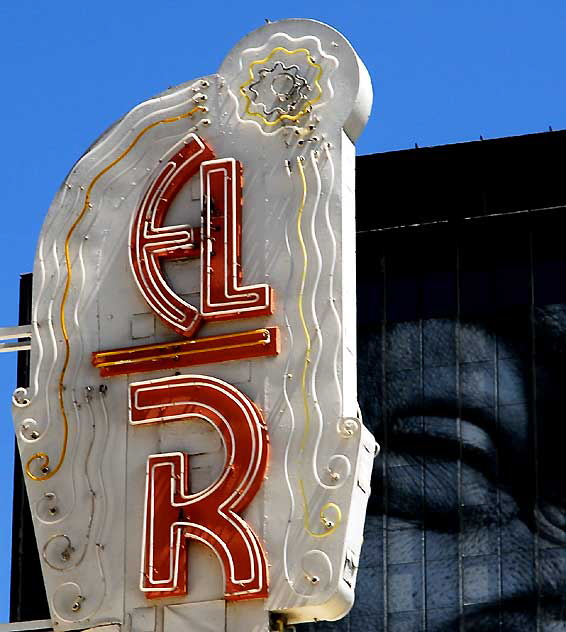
14 335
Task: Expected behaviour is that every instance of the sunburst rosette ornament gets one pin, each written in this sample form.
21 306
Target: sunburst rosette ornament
283 87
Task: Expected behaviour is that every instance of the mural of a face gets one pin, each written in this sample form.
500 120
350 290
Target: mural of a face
462 357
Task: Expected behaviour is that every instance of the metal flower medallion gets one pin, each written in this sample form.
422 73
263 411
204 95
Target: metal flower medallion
283 86
279 90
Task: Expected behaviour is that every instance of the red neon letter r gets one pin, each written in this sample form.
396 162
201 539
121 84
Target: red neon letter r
212 515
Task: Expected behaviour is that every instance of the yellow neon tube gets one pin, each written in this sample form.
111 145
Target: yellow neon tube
41 456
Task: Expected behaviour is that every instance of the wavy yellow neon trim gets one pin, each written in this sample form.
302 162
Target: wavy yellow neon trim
306 432
301 309
308 103
322 516
41 456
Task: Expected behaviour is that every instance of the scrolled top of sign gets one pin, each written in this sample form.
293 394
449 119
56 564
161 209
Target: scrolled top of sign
206 241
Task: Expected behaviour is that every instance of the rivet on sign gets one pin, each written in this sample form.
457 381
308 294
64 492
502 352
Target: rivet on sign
66 554
335 476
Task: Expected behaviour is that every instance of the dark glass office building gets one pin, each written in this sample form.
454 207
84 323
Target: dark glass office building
462 378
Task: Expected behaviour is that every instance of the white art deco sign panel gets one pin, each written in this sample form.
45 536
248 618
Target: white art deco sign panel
191 439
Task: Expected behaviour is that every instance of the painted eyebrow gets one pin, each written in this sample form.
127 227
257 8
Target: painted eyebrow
438 439
447 408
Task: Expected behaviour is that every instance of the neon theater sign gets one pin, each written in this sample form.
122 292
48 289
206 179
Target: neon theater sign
193 451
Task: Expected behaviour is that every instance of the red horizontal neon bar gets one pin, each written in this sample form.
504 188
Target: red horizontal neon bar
239 346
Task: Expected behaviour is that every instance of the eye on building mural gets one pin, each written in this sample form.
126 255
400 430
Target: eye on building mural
193 450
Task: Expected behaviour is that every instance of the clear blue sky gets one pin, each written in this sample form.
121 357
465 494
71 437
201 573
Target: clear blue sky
443 72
